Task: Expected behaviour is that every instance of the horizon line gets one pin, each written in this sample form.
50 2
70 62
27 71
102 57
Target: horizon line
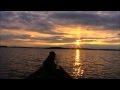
59 48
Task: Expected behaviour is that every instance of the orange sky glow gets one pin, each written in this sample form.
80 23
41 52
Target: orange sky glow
60 35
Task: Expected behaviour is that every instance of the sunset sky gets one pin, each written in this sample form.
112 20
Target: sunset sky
88 29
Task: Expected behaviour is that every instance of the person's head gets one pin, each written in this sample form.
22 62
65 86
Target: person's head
52 55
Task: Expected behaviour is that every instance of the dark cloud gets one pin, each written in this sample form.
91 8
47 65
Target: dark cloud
27 21
35 22
46 22
10 27
23 20
106 22
82 38
112 41
118 34
94 46
6 16
64 40
88 40
97 38
11 37
55 39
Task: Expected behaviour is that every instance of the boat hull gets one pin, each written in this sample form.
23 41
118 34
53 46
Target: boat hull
58 75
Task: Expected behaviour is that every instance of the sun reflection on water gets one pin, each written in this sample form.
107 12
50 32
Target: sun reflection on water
77 66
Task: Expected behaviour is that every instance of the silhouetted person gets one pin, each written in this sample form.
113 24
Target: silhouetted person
49 70
49 65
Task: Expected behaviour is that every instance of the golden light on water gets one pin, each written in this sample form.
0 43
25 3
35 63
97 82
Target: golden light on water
77 69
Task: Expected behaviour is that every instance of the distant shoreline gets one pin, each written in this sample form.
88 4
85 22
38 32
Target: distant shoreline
63 48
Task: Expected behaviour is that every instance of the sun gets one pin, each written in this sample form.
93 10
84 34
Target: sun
77 42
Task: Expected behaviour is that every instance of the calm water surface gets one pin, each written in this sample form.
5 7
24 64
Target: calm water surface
18 63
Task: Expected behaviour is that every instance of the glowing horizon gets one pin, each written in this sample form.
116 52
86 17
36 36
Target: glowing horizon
67 29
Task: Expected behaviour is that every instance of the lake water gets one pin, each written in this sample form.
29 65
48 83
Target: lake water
18 63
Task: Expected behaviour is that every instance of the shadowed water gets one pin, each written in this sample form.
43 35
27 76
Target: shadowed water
18 63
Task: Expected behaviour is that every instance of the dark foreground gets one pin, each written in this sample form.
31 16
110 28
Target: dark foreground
60 74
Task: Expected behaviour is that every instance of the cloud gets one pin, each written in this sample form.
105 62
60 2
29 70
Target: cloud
23 20
98 38
63 40
109 21
94 46
45 25
12 37
51 39
46 21
32 21
88 40
113 41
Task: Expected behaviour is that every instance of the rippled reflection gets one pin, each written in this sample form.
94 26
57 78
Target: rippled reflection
77 68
